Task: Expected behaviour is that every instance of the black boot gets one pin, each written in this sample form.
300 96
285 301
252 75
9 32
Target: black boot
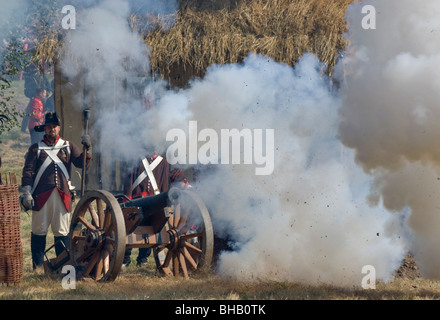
38 245
61 243
144 253
127 258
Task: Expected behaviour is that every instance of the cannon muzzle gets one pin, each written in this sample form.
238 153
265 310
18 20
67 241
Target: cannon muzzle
154 203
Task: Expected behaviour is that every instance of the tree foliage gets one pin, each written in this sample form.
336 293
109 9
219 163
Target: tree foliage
19 34
14 61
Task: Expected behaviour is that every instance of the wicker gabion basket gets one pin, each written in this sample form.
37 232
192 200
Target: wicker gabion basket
11 250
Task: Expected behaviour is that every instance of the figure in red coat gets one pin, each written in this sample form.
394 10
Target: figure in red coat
36 117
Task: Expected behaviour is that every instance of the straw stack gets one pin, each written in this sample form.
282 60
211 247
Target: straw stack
184 44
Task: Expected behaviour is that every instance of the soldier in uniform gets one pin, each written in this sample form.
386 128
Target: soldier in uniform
46 185
151 176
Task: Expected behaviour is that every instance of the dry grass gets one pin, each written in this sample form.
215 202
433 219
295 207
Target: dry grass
143 283
280 29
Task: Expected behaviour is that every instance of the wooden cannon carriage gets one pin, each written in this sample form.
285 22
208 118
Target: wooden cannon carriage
175 224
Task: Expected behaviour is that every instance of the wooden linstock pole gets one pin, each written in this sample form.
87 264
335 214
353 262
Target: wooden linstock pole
86 129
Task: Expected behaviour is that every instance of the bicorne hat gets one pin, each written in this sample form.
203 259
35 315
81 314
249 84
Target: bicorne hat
50 118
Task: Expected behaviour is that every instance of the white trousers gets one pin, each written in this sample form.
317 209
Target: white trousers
52 214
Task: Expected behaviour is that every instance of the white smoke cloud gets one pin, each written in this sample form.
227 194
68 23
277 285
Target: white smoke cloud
390 113
310 220
112 59
105 48
314 219
12 9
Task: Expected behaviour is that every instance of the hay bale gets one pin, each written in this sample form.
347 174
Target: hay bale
223 32
281 29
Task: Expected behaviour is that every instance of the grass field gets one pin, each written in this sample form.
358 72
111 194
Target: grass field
144 283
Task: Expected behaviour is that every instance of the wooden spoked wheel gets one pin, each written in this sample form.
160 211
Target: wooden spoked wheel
97 236
192 238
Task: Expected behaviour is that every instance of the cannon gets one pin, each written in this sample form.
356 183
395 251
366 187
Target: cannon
175 224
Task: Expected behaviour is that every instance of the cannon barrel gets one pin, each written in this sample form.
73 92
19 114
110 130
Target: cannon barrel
154 203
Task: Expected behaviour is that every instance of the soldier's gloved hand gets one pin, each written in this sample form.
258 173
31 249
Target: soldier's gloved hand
28 201
87 143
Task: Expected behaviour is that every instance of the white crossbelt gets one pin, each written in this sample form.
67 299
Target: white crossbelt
52 152
148 173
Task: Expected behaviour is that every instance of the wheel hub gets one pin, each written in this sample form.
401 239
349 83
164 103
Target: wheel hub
174 239
95 238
